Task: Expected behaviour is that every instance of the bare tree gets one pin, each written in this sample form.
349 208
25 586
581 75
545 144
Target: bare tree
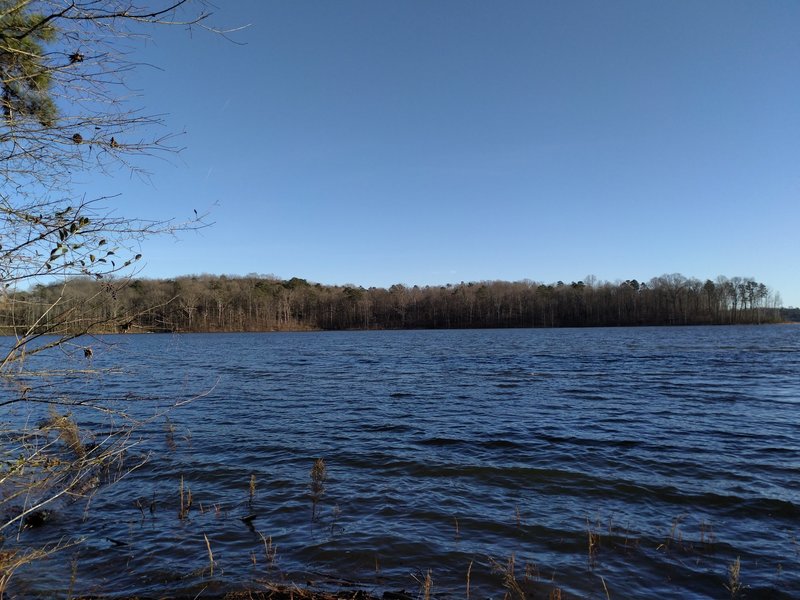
66 110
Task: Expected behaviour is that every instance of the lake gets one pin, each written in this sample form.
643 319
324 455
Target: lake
630 462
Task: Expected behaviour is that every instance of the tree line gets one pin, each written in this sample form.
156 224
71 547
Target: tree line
207 303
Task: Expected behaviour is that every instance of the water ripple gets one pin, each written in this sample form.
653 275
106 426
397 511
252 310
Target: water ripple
677 447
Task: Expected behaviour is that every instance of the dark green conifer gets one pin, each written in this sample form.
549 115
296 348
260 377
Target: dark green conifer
25 75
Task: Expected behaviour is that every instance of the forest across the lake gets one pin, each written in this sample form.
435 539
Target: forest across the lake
209 303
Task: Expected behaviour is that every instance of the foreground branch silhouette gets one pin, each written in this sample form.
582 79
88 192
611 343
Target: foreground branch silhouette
66 111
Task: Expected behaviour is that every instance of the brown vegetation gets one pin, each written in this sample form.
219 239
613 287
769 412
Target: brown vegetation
208 303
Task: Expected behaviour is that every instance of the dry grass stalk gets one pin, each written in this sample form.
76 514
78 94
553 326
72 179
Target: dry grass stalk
181 513
252 487
319 473
169 430
675 534
210 556
73 576
707 537
594 543
605 587
469 574
186 501
67 430
12 560
631 542
427 586
270 550
279 591
8 564
734 585
555 594
509 577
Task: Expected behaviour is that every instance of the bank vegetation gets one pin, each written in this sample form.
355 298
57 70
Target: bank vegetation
208 303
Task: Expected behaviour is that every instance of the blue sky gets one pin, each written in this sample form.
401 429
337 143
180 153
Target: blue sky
428 142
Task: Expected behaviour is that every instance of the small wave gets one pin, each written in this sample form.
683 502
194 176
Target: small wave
440 441
394 427
499 444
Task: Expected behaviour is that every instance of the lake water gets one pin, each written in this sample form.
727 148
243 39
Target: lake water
675 450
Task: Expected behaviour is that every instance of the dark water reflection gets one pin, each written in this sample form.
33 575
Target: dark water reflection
679 447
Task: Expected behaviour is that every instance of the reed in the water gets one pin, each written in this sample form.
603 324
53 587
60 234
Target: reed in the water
319 474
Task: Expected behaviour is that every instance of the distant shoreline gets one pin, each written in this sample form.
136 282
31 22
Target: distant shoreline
206 304
375 329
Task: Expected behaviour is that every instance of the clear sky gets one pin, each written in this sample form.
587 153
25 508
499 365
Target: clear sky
425 142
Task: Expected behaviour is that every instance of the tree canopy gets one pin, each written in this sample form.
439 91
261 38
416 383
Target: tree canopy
205 303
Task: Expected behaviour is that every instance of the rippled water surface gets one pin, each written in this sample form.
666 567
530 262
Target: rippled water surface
676 450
